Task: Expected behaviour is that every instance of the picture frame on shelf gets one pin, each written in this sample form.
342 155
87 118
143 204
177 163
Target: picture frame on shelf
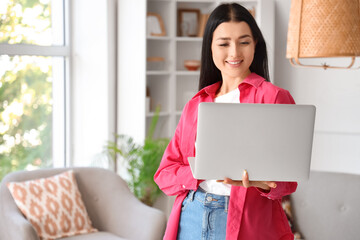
155 25
202 23
188 22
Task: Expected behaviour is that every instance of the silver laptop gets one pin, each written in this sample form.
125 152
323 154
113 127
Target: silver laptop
273 142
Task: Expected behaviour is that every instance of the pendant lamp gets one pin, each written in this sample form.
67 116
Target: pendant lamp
323 29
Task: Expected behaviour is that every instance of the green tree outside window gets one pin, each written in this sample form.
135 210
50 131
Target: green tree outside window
25 87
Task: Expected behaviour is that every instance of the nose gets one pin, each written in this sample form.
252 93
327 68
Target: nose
234 50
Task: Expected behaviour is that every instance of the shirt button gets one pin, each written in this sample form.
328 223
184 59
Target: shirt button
183 186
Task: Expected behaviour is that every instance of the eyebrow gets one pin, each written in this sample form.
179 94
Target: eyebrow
227 38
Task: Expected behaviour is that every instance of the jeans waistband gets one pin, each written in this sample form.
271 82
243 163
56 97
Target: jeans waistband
209 199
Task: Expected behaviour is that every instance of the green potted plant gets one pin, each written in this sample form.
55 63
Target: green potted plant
141 161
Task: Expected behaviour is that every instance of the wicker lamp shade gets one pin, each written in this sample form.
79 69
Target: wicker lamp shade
323 28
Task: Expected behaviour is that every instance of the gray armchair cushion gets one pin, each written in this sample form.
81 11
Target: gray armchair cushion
112 208
95 236
327 206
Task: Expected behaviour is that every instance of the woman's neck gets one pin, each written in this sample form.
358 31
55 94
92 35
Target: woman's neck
228 84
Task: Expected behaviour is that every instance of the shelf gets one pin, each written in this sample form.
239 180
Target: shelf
197 1
187 73
161 114
156 73
189 39
166 38
159 0
245 1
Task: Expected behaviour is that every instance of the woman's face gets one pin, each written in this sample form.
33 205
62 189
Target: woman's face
233 49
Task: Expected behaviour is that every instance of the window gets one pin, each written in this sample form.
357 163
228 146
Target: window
34 70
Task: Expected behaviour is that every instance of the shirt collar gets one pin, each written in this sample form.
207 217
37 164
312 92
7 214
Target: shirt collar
253 79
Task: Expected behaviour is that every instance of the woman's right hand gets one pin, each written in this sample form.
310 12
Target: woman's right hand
266 186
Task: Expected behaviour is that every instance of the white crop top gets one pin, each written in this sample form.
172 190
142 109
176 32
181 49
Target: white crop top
212 186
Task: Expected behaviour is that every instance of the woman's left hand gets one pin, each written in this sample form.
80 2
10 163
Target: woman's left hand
264 185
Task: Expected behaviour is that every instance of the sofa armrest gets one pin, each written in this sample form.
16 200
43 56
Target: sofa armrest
13 224
113 208
17 227
142 222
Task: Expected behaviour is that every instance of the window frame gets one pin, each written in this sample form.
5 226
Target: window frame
61 89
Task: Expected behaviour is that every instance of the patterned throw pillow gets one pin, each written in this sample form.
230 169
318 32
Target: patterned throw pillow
52 205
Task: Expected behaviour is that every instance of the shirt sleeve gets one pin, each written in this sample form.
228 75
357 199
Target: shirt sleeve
282 189
284 97
173 175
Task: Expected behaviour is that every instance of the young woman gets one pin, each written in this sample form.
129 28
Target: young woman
233 69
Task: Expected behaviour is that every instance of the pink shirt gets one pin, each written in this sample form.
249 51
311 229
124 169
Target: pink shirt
252 213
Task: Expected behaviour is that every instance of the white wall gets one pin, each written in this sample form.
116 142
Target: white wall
131 87
335 93
93 78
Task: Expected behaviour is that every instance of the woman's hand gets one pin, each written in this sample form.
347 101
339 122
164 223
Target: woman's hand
264 185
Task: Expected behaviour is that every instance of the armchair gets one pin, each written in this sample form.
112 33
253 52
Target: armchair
112 208
327 206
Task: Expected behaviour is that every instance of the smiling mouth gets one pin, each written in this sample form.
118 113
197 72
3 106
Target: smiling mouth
234 62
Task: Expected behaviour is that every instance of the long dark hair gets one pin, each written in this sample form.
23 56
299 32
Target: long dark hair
209 73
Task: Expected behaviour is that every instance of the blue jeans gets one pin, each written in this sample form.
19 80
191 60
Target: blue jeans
203 216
